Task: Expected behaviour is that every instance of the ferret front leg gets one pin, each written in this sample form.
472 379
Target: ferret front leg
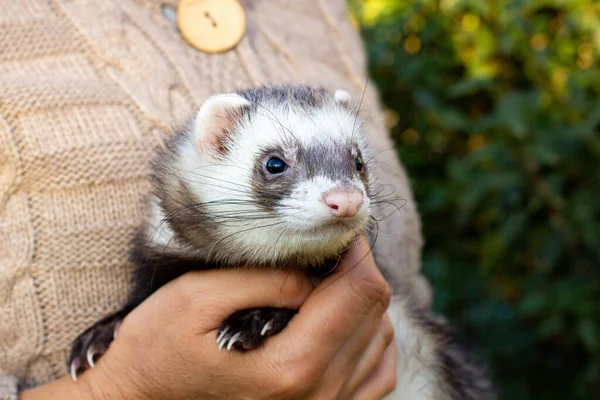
249 328
93 343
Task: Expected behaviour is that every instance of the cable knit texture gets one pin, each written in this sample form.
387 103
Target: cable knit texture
88 91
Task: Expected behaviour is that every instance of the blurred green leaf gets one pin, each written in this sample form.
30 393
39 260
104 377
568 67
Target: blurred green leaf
505 97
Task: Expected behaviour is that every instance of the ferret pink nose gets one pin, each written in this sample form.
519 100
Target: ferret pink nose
343 203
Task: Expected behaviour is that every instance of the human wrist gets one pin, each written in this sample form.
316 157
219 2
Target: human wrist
99 383
111 380
63 388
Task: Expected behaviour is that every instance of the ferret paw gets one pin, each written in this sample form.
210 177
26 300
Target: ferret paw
92 344
248 329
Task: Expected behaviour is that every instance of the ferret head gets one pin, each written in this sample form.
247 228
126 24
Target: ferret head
270 175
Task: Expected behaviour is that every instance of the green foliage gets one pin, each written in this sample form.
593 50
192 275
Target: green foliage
495 108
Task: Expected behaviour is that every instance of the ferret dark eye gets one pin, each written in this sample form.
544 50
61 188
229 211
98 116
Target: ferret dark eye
276 165
359 163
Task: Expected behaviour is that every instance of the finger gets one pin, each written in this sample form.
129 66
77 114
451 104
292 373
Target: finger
219 293
372 356
355 294
383 381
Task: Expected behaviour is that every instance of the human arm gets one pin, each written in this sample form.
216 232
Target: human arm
166 347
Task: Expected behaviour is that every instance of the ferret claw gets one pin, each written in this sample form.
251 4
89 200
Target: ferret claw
266 328
88 347
90 357
74 370
222 343
232 341
222 334
248 329
116 331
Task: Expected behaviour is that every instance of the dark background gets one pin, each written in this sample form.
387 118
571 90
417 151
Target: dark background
495 108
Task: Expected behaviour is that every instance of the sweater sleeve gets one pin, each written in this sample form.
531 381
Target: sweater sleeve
8 387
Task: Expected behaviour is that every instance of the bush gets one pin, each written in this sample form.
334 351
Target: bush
495 108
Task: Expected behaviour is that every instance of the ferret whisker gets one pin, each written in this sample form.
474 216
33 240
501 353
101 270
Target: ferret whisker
254 205
396 209
391 200
243 231
384 185
279 237
391 196
287 135
375 224
387 198
162 222
376 153
330 270
156 265
241 216
380 195
351 268
359 128
397 171
358 109
235 185
284 281
274 117
248 202
213 165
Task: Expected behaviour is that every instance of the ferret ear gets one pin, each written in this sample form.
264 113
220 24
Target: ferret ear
341 96
216 119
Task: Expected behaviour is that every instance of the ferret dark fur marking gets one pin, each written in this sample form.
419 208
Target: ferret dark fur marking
277 177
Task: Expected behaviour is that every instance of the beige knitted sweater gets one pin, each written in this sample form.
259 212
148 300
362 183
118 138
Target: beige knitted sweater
88 90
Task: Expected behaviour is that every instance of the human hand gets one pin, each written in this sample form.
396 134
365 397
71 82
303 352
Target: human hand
339 345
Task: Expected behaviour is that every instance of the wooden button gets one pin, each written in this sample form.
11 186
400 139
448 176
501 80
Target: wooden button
212 26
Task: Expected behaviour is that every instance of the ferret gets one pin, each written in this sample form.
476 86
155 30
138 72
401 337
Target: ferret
278 177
